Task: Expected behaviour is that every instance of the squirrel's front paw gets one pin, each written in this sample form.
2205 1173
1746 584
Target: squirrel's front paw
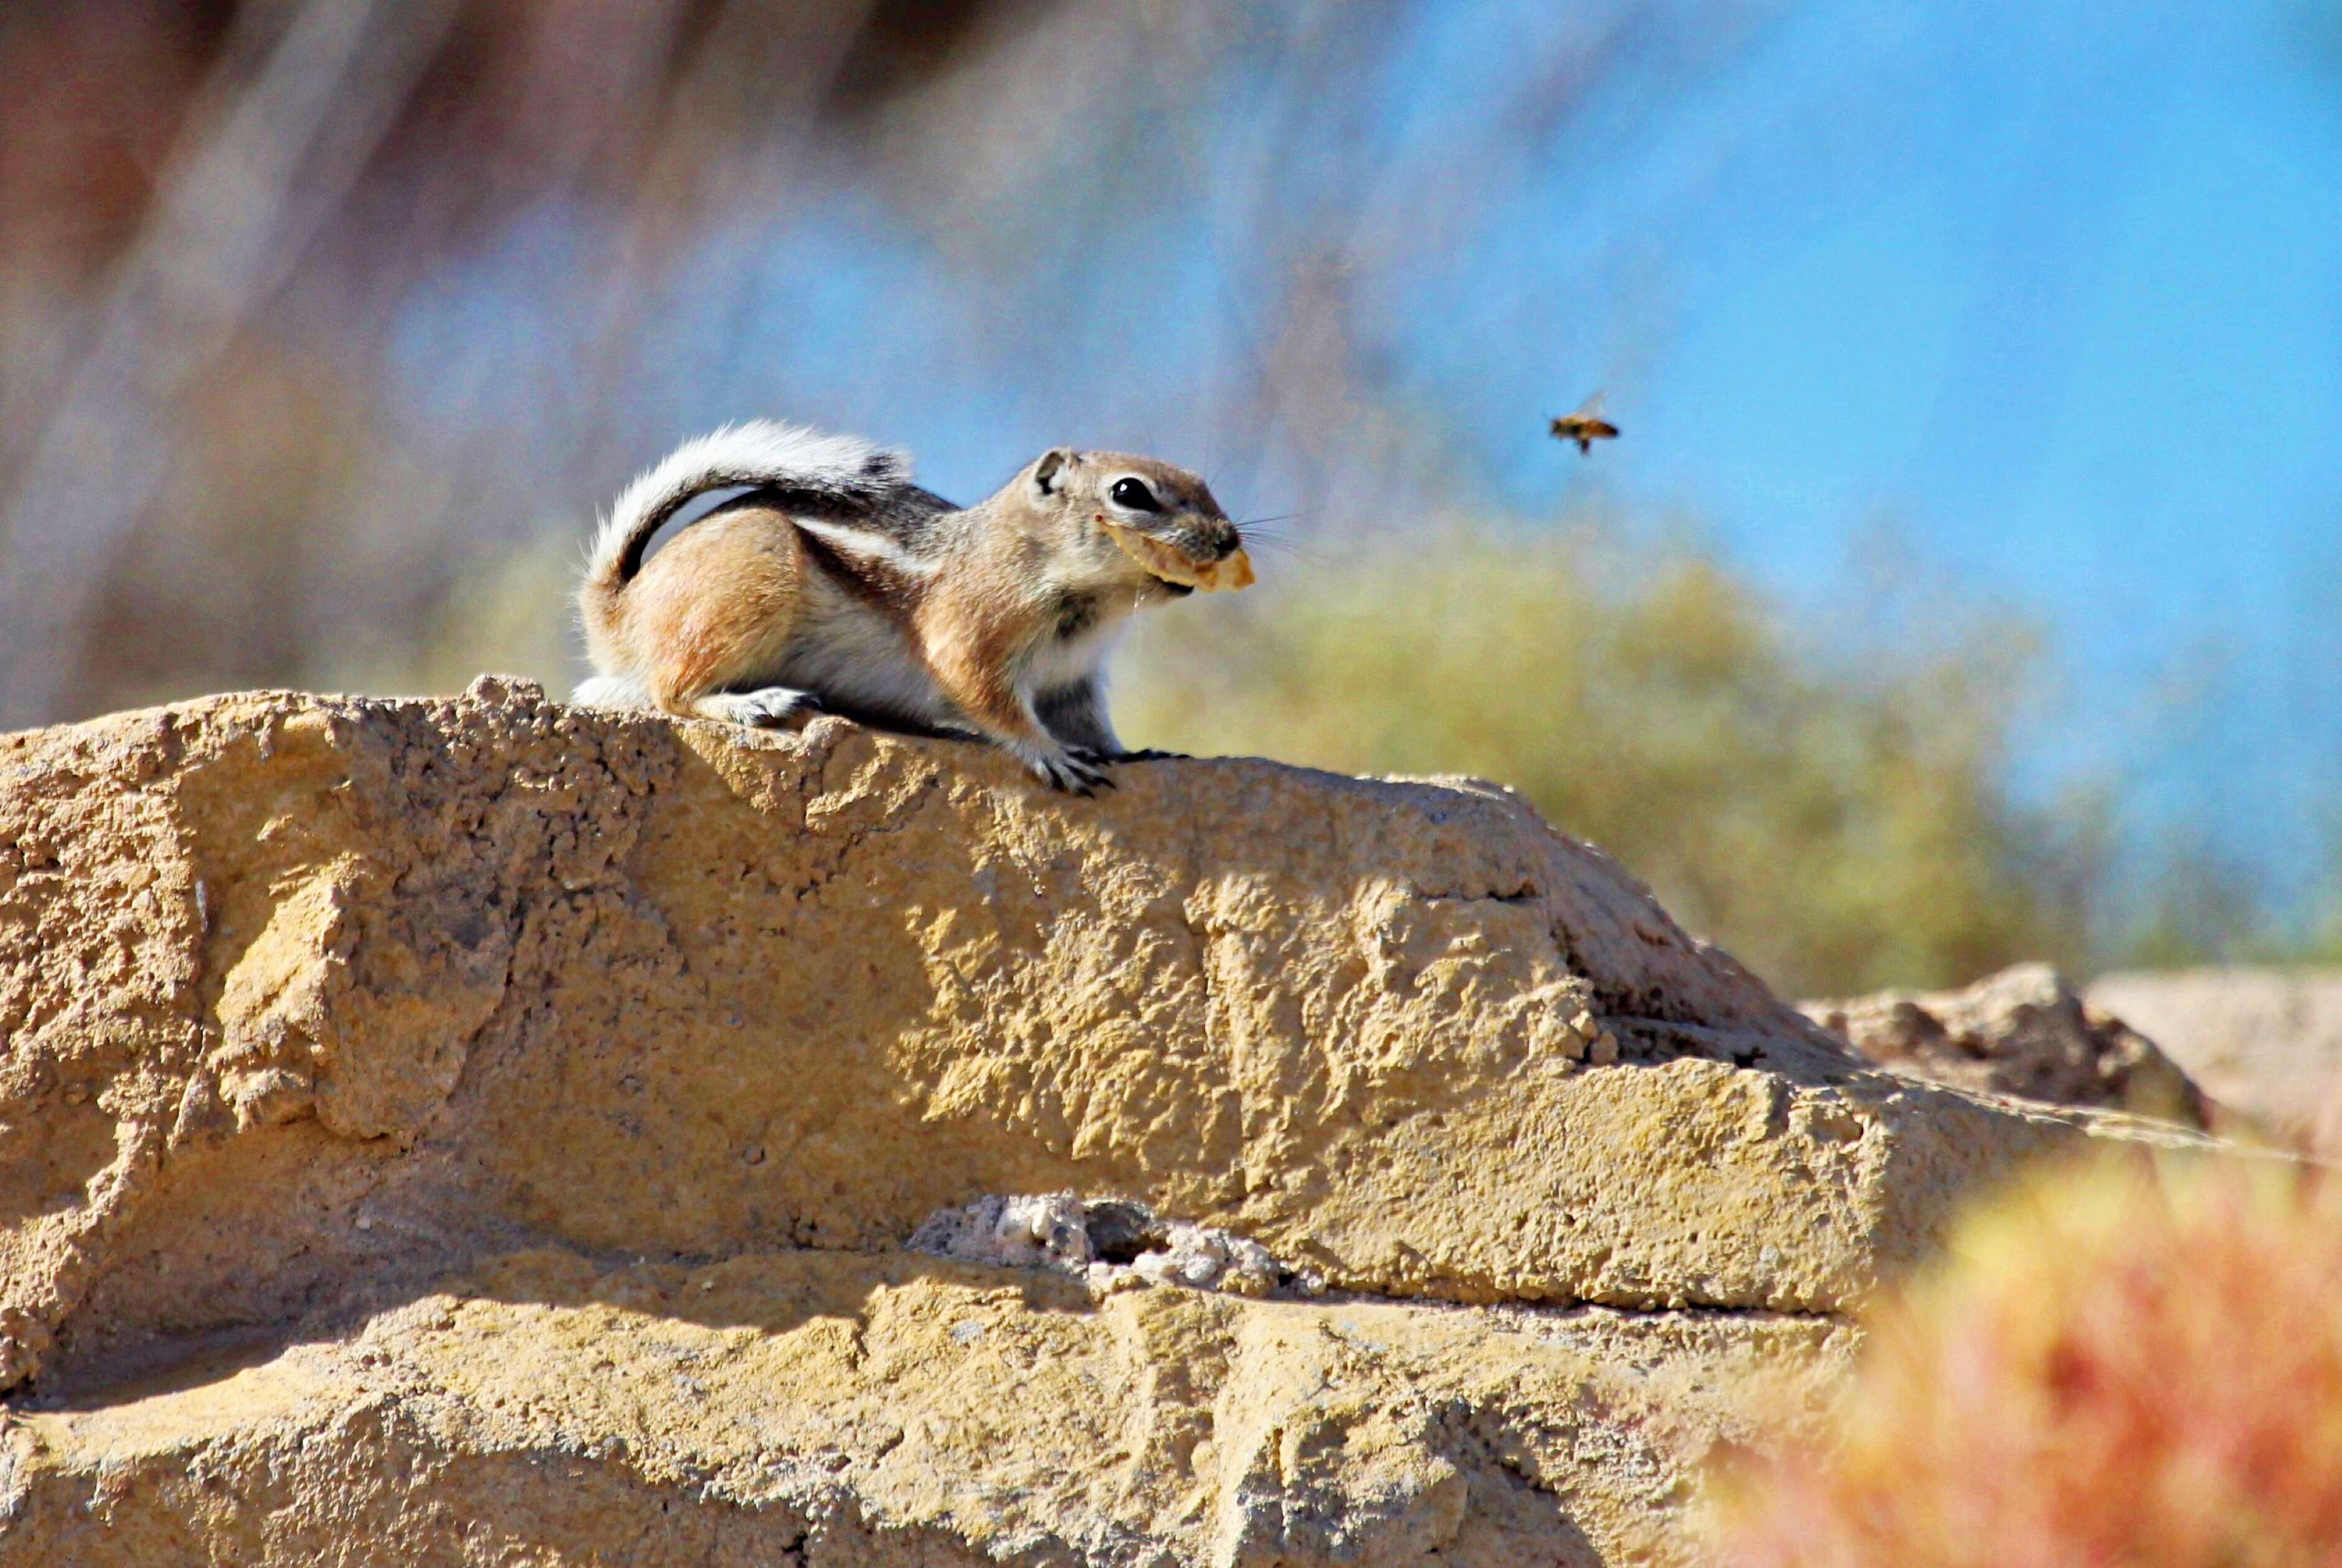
1075 772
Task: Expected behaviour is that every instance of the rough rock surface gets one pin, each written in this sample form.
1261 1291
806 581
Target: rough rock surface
2263 1043
2024 1031
494 1127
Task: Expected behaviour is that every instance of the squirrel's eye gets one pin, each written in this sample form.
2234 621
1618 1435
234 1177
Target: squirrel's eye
1134 494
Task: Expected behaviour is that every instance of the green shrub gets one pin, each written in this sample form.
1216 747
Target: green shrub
1837 828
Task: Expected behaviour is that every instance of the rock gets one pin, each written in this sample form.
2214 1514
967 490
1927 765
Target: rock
2265 1043
2022 1032
852 1410
1109 1244
497 1127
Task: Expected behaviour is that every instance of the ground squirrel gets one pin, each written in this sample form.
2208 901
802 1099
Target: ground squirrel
835 583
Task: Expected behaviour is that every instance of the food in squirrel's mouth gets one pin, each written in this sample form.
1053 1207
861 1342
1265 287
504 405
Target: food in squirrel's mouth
1161 560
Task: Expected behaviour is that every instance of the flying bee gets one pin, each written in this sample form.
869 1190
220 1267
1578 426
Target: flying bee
1585 426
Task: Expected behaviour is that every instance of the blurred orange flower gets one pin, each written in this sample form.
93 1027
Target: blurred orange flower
2120 1365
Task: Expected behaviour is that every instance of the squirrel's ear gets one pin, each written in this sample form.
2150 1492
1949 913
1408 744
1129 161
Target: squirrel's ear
1045 472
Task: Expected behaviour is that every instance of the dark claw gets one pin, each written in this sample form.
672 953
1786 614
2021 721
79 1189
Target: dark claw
1075 774
1090 769
1150 754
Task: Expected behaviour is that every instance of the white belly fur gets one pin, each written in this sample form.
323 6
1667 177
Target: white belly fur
850 656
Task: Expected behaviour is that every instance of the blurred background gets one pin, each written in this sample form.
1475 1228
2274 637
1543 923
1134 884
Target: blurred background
1963 588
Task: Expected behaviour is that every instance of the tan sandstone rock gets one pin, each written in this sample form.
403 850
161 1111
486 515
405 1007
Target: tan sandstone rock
494 1127
846 1408
2265 1042
2025 1032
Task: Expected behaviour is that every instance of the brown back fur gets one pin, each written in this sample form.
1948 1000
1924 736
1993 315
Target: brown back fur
714 606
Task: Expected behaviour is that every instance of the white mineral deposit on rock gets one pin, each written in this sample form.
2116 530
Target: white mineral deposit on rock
1111 1245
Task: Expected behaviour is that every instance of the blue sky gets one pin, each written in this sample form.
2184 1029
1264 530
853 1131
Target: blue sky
2053 293
2062 301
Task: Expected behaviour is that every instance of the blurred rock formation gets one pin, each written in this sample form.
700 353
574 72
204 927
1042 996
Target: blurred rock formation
2024 1031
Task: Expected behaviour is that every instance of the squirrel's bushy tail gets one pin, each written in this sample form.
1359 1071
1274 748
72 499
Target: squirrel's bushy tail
764 453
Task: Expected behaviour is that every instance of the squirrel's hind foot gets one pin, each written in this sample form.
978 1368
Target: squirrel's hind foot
766 708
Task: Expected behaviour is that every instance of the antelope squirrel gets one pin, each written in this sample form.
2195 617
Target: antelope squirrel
834 583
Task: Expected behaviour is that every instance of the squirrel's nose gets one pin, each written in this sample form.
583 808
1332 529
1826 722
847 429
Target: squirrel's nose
1225 541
